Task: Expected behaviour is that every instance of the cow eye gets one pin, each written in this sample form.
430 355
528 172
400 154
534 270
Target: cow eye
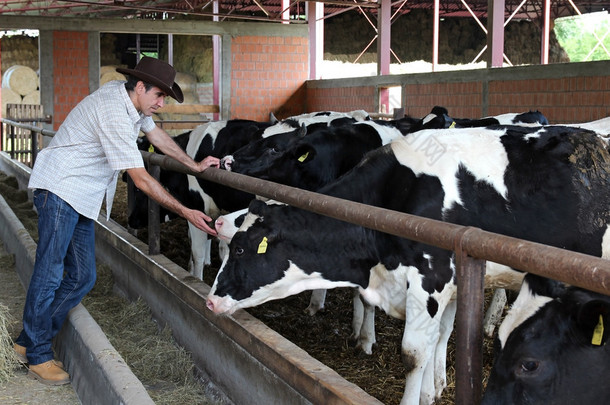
239 251
528 366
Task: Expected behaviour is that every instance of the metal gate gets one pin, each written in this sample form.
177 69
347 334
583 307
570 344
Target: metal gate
23 143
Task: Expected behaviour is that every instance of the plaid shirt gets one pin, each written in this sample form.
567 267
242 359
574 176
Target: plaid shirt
97 140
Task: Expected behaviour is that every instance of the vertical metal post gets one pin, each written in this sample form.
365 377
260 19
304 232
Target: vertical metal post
546 32
154 223
435 34
12 136
469 329
34 143
495 33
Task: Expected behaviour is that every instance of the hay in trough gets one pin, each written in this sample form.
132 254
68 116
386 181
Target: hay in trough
8 362
166 369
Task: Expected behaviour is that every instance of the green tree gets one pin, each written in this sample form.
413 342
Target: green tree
585 37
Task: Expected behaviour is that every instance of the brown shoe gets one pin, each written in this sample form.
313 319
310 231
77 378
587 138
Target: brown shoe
22 358
49 373
20 353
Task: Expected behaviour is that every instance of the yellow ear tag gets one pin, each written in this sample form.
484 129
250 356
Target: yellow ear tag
452 125
151 149
303 157
598 332
262 247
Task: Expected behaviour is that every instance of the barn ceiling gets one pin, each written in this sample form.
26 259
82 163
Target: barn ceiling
271 10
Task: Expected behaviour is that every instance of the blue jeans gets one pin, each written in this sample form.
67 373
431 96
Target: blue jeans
64 272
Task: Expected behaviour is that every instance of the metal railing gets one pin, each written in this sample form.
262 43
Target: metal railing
472 246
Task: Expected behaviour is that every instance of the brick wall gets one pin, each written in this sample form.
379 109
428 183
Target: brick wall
562 100
461 99
342 99
266 75
564 93
70 72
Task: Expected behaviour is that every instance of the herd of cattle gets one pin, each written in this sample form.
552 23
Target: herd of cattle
513 174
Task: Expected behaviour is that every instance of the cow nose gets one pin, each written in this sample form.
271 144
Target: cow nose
226 163
210 305
218 224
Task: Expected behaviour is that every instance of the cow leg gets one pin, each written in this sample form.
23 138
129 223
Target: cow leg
358 316
416 349
363 323
440 357
420 339
200 251
434 379
316 302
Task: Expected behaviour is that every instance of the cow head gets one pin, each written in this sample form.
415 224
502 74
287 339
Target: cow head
557 356
228 224
253 158
252 264
270 257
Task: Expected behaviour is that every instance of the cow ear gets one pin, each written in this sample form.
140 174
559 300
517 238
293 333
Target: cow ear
594 321
304 153
143 143
302 131
273 119
258 207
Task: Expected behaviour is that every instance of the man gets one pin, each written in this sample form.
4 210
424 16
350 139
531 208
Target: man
70 179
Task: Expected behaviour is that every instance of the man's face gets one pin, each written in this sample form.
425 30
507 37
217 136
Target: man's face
151 100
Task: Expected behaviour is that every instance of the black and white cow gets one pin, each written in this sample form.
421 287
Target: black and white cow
277 137
312 160
313 119
532 118
529 118
559 355
217 139
309 162
545 184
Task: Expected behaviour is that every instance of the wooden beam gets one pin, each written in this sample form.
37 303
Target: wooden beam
189 108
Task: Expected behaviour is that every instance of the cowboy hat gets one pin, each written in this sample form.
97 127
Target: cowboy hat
158 73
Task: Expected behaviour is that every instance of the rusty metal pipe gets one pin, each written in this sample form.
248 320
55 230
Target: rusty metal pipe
593 272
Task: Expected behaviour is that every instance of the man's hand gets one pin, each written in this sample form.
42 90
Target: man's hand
155 190
209 161
200 220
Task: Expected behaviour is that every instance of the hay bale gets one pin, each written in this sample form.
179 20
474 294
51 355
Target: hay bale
8 362
32 98
109 76
9 97
21 79
186 81
109 68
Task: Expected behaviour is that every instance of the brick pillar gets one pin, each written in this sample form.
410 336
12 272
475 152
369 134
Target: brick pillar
70 72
